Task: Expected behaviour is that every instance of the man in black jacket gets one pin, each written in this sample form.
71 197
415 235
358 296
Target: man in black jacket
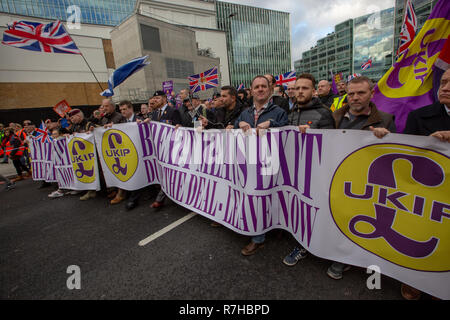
163 113
309 111
231 109
433 120
326 96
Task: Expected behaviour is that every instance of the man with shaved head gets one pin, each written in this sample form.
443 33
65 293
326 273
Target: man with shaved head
326 96
111 116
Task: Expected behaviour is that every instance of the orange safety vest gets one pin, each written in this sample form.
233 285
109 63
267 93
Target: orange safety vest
9 148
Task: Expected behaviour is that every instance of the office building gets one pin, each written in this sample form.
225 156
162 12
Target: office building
373 40
258 41
198 16
334 53
109 12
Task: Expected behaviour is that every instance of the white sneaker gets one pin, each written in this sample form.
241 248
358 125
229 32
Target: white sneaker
56 194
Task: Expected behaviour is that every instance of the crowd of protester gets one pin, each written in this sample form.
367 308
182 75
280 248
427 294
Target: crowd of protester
265 105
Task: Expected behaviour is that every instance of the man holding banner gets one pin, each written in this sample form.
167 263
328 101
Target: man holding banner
360 114
433 120
163 113
264 114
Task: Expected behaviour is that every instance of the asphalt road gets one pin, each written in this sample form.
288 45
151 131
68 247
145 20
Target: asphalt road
41 237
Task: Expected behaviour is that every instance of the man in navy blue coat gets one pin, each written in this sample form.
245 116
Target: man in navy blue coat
263 114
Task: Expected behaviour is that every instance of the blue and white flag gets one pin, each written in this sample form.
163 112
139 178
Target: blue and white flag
122 73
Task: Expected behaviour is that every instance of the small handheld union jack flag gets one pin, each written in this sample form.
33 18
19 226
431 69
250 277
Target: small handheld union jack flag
285 78
204 81
366 65
409 28
42 134
241 87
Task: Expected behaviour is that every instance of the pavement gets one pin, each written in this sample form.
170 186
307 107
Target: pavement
8 169
43 239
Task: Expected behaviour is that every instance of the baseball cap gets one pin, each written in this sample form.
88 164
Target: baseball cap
159 93
73 112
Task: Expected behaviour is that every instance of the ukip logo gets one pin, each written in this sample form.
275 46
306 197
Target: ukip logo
83 159
119 154
393 201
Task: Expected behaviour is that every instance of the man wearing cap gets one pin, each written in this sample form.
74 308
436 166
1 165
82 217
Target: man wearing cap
163 113
79 122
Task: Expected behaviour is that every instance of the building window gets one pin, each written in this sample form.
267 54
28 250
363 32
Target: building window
179 69
150 38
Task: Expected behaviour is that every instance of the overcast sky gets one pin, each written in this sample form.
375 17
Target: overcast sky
314 19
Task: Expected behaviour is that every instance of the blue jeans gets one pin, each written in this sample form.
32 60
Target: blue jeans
259 238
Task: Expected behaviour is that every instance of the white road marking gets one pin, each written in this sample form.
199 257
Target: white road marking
166 229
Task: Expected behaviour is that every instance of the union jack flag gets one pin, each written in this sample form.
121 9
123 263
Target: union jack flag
241 87
35 36
284 78
409 28
41 134
366 65
204 81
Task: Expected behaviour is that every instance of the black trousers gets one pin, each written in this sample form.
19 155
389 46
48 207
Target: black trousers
20 167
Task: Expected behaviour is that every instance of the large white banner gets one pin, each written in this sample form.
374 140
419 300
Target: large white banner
75 161
344 195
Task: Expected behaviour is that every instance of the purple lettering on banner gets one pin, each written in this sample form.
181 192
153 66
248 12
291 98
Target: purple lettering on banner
284 207
146 142
348 191
240 170
235 213
151 170
48 151
308 153
191 190
309 225
438 211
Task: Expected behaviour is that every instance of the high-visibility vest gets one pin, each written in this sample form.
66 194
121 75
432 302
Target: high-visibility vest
9 148
338 103
22 135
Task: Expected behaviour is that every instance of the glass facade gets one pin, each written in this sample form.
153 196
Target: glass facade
104 12
332 53
373 39
258 41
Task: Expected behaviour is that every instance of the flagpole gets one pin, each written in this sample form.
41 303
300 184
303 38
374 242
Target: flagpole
91 71
84 59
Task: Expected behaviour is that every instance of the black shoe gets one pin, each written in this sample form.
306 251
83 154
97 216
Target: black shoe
131 205
10 186
44 185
